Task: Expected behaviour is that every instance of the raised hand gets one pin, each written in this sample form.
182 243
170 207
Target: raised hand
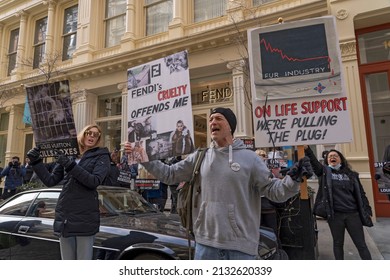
65 161
34 155
300 169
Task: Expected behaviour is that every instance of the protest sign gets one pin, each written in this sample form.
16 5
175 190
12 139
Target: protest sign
382 177
160 123
297 84
52 118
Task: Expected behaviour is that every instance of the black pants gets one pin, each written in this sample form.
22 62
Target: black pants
8 193
353 224
173 199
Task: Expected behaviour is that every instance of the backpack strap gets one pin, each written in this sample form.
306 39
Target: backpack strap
196 172
199 158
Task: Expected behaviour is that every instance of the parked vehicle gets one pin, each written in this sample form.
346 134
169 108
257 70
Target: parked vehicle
131 228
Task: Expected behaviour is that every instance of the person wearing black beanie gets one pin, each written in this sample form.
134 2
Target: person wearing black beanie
229 116
226 209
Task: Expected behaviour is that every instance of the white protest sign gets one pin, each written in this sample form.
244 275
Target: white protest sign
160 123
297 84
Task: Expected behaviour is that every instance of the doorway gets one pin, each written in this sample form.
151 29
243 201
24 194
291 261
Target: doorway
374 69
201 128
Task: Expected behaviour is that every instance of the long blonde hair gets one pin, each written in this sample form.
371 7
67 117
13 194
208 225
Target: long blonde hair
81 137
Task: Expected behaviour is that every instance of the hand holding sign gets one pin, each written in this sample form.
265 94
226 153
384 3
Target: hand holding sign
34 155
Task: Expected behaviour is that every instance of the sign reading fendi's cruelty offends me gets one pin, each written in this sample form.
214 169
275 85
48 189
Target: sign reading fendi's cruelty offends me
297 84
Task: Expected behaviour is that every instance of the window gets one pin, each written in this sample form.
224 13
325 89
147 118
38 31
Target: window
12 51
18 206
158 15
39 42
69 32
110 113
110 105
45 204
261 2
206 9
115 21
374 46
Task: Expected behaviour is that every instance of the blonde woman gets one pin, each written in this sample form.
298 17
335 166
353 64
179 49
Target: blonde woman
77 217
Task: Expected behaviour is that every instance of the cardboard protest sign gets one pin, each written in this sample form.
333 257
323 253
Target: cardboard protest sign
52 118
297 84
383 178
160 123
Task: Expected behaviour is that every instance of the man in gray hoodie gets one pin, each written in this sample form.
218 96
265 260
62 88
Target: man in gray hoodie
232 179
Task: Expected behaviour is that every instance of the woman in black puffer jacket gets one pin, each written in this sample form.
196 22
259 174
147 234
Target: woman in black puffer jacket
342 201
77 217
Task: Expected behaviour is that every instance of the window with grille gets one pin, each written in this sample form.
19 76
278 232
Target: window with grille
39 42
69 32
261 2
159 14
115 21
12 50
206 9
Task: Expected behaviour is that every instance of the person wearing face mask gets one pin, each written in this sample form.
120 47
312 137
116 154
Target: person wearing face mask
341 200
227 202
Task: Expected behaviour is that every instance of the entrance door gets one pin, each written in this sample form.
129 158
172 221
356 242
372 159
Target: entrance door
377 89
374 68
201 124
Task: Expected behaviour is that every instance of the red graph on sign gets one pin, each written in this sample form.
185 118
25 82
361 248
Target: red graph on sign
271 49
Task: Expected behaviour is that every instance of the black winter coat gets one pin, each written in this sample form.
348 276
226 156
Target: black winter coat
323 206
77 210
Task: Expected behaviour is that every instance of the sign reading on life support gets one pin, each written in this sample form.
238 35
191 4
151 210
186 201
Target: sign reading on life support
160 121
297 84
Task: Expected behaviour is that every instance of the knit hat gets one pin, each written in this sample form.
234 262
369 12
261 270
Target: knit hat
229 116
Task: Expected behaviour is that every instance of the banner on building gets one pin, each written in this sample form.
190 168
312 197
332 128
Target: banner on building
52 118
297 84
26 113
160 123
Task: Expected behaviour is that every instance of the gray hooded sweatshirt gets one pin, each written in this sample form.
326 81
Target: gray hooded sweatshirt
228 209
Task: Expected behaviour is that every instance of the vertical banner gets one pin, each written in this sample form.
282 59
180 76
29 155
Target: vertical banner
297 84
160 123
52 118
382 176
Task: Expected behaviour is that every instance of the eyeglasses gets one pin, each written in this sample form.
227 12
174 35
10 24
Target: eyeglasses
263 155
92 133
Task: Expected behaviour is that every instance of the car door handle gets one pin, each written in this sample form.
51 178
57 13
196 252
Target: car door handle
23 229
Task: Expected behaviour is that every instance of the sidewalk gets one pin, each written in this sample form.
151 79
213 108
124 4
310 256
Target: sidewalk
377 239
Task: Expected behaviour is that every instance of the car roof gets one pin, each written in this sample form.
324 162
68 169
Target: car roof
59 188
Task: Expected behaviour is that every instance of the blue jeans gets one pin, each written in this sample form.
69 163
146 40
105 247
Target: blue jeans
203 252
352 223
77 247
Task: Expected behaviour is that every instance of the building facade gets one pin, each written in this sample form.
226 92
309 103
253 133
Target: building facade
92 43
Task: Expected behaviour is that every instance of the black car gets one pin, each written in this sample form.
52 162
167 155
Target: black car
130 228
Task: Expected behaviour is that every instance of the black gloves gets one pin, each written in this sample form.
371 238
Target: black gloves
65 161
34 155
300 169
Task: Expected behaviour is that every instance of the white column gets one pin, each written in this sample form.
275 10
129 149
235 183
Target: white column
242 95
84 108
50 27
20 57
176 29
123 88
130 34
15 133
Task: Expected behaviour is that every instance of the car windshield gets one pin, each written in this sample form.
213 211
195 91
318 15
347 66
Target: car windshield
119 200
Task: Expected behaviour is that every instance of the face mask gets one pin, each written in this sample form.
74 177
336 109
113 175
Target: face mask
337 167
